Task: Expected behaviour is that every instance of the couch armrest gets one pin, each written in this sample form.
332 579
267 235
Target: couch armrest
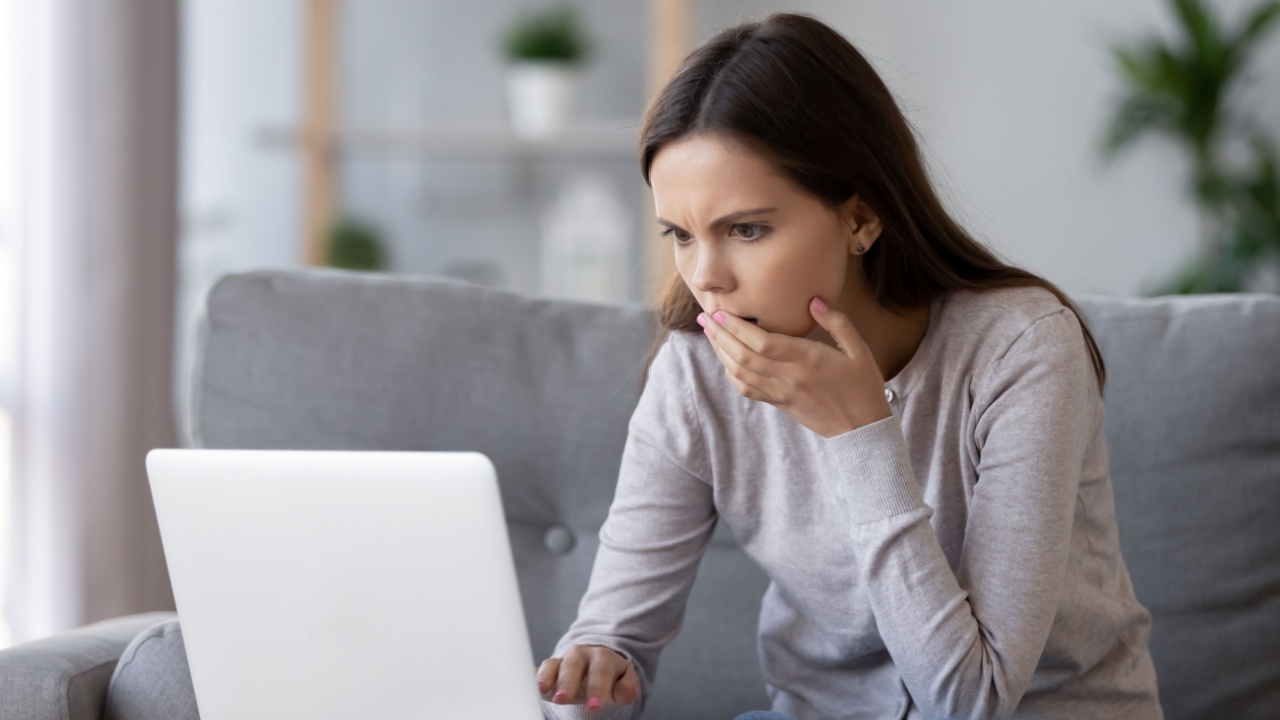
65 677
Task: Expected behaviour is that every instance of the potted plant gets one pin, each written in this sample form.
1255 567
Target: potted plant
1182 89
544 51
355 245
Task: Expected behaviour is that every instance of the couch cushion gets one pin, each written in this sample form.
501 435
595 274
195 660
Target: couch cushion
1193 432
152 680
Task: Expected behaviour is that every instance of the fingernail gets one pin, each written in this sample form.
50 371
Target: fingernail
593 703
719 316
560 695
702 321
817 302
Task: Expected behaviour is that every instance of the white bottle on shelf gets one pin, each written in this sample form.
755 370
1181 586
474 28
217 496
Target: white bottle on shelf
585 236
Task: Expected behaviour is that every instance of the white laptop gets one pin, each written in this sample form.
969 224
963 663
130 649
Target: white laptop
344 585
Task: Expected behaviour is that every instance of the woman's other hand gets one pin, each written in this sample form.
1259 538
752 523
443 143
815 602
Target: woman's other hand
593 675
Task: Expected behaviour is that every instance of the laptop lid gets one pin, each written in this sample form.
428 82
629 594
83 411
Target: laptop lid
336 584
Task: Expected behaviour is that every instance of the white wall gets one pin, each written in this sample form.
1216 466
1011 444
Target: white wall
1010 98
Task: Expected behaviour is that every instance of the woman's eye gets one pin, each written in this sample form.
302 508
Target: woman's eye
680 235
749 231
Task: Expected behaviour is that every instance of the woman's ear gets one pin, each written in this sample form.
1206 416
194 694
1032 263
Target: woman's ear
863 224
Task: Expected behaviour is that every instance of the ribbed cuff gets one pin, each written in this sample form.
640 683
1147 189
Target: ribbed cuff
551 711
872 473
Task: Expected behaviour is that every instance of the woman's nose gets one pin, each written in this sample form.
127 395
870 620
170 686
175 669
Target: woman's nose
711 271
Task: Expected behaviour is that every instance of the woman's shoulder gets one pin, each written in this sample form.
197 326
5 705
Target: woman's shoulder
981 327
1016 306
1000 315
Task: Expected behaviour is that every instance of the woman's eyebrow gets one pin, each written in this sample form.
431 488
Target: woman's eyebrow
724 220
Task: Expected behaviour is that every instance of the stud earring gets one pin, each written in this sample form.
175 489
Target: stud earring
861 249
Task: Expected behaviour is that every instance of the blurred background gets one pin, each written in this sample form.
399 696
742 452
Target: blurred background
148 146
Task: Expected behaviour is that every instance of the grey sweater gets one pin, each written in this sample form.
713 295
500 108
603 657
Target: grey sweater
957 560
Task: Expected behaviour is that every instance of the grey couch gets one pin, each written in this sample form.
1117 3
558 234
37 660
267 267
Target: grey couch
327 359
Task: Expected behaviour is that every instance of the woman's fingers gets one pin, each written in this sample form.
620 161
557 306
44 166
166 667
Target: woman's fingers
604 672
593 675
627 689
747 383
573 667
548 672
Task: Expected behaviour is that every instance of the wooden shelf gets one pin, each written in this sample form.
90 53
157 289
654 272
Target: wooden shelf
598 140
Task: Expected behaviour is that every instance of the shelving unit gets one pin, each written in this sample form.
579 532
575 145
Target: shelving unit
442 141
321 140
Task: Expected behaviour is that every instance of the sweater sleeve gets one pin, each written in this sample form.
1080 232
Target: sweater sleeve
658 526
967 644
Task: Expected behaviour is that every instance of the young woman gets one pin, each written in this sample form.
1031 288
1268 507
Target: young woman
904 432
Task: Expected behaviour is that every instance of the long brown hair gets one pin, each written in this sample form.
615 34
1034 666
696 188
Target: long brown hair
801 95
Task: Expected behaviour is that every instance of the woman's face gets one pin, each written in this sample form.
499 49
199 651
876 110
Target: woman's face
747 240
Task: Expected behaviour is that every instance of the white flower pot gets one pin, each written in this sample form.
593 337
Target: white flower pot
540 97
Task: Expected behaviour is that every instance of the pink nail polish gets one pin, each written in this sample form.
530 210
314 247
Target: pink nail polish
560 695
702 321
593 703
817 302
719 316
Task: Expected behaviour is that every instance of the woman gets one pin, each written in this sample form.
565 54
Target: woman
904 432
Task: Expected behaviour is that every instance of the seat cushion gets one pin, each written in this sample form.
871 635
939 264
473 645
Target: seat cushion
152 680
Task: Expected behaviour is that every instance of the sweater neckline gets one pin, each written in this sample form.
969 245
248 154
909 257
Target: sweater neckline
905 381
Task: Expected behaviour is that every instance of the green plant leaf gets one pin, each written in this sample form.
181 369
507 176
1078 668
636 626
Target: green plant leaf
355 245
550 34
1132 70
1171 74
1201 28
1179 90
1137 115
1258 23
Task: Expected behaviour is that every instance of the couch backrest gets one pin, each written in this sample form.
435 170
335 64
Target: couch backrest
336 360
1193 435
